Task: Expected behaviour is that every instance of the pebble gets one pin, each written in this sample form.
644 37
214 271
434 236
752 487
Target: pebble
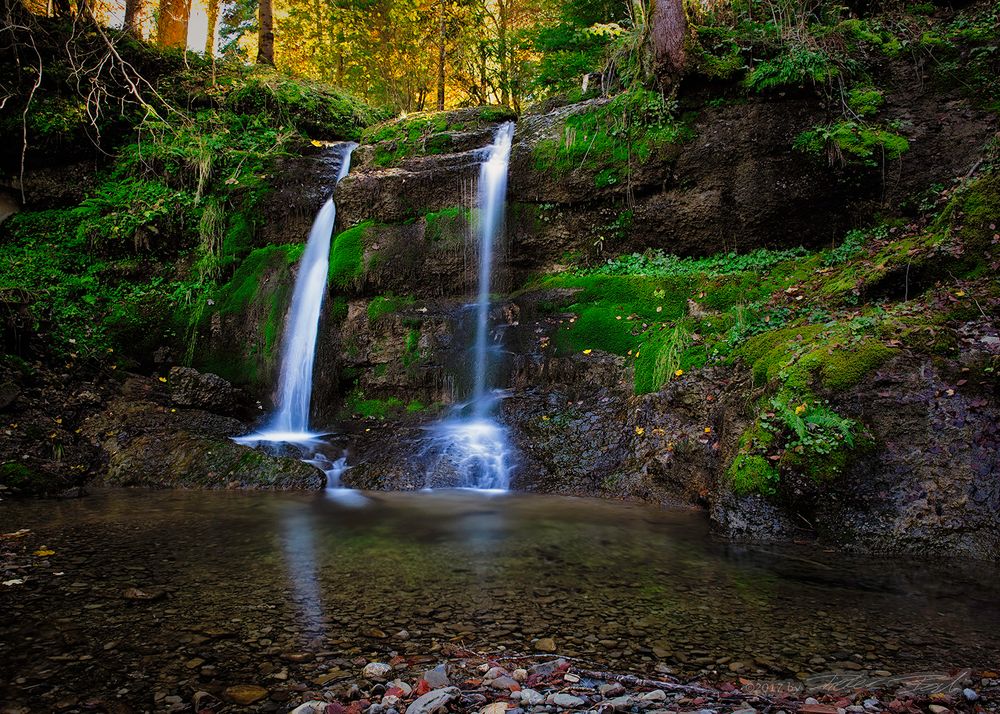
529 697
621 703
938 709
970 694
244 693
376 671
494 708
505 682
433 700
545 644
657 695
565 700
611 690
402 686
438 677
520 675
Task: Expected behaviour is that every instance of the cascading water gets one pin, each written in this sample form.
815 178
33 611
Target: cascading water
290 422
470 440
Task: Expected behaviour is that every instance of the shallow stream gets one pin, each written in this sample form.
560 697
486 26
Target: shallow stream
278 589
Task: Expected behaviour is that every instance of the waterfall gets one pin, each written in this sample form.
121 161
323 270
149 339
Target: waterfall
290 421
492 201
469 441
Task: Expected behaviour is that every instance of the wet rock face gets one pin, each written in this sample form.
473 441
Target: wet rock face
303 185
737 185
190 388
144 443
931 485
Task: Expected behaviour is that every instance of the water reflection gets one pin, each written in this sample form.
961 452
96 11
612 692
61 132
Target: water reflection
299 548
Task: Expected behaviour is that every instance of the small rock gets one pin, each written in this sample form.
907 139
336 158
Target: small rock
521 675
571 678
748 710
376 671
818 709
494 672
611 690
313 707
402 635
657 695
506 683
546 644
531 698
621 703
494 708
433 701
970 694
245 693
938 709
437 677
402 686
567 701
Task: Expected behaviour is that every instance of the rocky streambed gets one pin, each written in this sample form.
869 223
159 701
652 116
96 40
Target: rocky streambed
133 600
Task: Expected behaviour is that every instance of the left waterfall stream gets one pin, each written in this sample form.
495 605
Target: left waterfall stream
287 429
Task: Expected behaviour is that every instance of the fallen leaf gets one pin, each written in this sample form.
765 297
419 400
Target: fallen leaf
44 552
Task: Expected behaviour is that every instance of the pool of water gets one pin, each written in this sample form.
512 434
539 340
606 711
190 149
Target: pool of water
280 588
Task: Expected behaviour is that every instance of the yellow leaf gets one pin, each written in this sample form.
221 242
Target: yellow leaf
708 430
678 373
316 143
44 552
587 352
163 379
640 431
800 408
545 418
961 293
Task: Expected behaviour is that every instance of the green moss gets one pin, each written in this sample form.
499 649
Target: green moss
357 404
386 305
865 101
841 369
248 282
797 65
448 224
610 138
849 141
22 480
752 473
411 353
426 133
347 255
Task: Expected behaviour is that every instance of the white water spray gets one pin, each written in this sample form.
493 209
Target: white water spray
470 441
290 422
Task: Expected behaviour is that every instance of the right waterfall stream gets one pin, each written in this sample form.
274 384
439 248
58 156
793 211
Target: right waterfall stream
470 440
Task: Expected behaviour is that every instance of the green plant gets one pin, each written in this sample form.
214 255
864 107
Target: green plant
848 141
798 66
609 138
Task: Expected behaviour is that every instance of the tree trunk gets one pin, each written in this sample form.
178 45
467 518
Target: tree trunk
213 19
265 37
502 52
131 22
440 97
668 28
172 25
